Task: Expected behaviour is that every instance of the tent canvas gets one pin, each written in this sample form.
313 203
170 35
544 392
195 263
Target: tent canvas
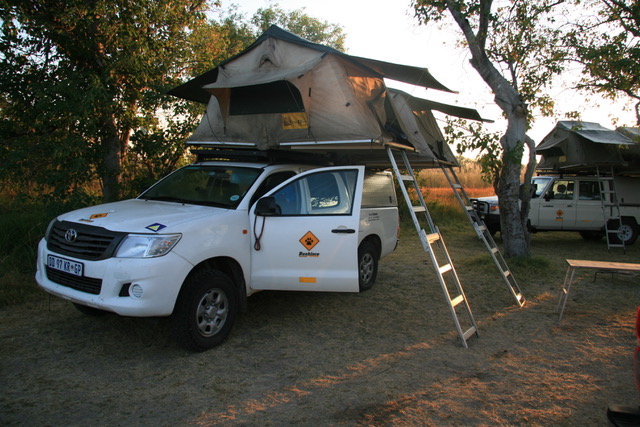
575 145
285 92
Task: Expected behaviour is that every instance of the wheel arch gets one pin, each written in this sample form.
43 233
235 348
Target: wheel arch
231 268
375 240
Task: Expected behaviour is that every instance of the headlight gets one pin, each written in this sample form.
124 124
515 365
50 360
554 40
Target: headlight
146 245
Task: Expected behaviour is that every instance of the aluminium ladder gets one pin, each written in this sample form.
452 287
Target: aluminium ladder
610 210
439 256
484 234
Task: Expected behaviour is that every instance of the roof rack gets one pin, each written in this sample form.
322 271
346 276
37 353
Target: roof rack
206 153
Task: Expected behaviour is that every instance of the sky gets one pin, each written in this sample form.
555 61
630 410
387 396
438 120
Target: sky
386 30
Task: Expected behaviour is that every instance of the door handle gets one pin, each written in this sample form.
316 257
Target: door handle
343 230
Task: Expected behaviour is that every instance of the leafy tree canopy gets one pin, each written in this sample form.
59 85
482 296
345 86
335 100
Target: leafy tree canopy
83 110
606 42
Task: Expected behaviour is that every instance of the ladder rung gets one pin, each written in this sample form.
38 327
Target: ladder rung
419 209
494 250
443 269
469 332
433 237
469 208
406 177
456 186
506 273
457 300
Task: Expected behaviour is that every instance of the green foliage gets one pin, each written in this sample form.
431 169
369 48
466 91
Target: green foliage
21 228
607 44
301 24
77 77
84 110
471 136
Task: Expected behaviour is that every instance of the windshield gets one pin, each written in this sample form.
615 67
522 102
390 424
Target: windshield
540 183
221 186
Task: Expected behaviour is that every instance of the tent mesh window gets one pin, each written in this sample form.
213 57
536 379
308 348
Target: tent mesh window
268 98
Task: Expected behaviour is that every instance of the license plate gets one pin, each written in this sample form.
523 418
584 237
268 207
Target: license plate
66 265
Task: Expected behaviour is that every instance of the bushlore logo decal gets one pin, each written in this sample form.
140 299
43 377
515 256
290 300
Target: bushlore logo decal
309 241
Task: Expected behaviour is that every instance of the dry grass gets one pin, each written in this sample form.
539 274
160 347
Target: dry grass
387 357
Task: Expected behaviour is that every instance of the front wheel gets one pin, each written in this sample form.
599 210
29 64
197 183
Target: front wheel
205 310
367 265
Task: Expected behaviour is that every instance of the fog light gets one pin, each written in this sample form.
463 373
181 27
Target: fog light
135 291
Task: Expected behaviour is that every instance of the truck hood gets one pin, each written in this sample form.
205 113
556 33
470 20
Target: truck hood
140 216
488 199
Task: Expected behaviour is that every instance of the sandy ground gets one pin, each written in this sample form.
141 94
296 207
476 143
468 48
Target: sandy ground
389 356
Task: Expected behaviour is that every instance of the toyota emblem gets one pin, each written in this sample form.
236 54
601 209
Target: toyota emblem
71 235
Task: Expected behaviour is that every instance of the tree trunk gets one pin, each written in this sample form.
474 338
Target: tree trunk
111 147
514 231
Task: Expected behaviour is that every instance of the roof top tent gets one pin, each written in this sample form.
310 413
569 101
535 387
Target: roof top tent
579 147
284 92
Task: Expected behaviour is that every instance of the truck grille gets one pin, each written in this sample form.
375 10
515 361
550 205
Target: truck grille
83 241
84 284
480 207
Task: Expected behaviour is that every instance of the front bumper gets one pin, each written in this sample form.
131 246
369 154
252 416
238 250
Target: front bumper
156 280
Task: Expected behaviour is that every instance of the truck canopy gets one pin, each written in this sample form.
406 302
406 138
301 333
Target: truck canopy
284 92
575 146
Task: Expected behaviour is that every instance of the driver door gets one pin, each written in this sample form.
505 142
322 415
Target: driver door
309 242
558 209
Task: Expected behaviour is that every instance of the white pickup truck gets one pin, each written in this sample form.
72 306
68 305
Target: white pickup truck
574 203
196 244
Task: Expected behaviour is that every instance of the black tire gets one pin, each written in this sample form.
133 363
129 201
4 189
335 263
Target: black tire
591 235
367 265
628 232
205 310
89 311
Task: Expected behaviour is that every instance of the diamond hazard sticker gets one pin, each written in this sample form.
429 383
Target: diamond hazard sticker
155 227
309 241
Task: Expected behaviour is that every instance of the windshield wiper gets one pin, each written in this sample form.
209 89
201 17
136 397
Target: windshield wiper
167 199
185 201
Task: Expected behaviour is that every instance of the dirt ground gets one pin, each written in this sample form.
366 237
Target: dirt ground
386 357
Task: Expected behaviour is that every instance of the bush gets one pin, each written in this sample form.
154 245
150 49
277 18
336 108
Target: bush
21 228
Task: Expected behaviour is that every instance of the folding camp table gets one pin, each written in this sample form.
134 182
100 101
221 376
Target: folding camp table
601 266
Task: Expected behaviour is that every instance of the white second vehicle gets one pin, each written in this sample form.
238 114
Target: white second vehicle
196 244
575 203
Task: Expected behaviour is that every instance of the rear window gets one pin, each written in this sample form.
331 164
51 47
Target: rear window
378 190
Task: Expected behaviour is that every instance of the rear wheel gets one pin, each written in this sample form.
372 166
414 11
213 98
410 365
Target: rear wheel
627 232
367 265
205 310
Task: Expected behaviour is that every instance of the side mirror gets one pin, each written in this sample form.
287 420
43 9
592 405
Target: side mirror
266 207
550 195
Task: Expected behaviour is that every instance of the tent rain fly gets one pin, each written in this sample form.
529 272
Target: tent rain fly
284 92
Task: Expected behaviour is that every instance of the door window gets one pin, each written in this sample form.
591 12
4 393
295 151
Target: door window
322 193
589 190
562 189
